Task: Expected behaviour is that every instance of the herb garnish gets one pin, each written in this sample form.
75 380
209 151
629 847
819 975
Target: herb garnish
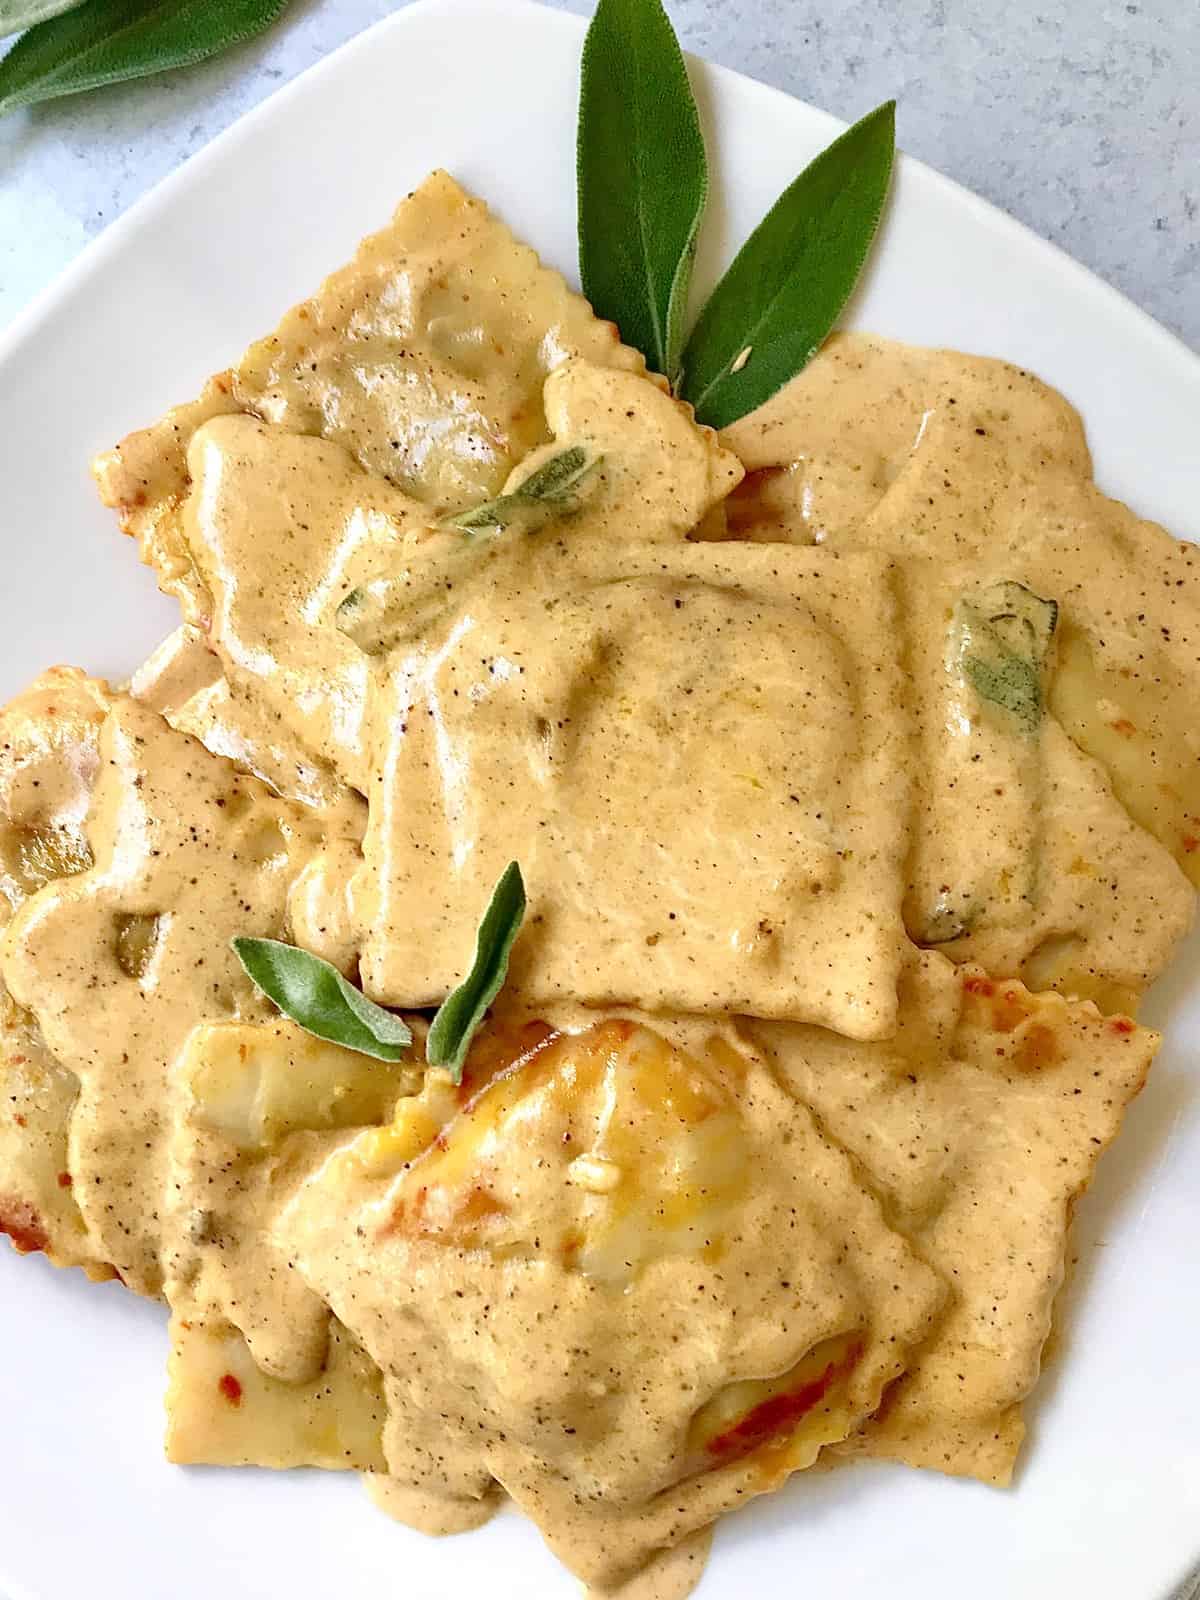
87 45
642 187
317 997
787 285
463 1009
548 489
642 174
1003 638
323 1002
379 615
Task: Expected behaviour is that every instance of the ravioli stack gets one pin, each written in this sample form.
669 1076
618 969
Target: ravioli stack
826 772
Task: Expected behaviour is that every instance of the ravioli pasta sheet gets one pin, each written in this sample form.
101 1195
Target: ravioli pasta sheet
850 764
182 846
978 1125
604 687
424 358
969 472
223 1410
441 1244
49 738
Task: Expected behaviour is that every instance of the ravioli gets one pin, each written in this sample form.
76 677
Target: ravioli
259 1107
1024 860
49 756
280 529
223 1410
424 357
979 1126
260 1372
967 471
598 1204
283 529
698 754
186 853
736 1180
183 681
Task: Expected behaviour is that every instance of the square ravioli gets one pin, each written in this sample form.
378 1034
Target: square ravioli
974 475
281 530
423 357
630 1281
979 1126
697 754
184 853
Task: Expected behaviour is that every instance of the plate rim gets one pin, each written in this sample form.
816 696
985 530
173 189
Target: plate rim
39 314
42 308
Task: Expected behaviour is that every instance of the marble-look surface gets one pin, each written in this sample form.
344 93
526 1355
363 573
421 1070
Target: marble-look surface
1080 117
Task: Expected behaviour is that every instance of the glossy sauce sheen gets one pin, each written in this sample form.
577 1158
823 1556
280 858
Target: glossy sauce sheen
737 1176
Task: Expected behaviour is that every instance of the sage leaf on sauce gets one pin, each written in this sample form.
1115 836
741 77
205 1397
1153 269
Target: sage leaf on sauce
548 488
317 997
110 41
17 15
1005 634
786 287
463 1009
642 177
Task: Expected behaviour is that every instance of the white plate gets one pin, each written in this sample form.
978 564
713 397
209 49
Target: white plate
1108 1500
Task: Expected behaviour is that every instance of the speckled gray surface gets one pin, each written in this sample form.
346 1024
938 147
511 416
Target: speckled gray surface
1080 117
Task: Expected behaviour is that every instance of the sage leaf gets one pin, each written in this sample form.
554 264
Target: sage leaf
463 1009
1004 635
642 177
323 1002
548 488
786 287
110 41
387 612
17 15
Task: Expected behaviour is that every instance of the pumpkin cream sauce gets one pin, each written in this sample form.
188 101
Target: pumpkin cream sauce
719 1193
1050 637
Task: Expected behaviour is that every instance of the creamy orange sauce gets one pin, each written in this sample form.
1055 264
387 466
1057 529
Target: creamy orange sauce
824 746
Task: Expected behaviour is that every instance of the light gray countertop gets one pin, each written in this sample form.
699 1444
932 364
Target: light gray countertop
1080 117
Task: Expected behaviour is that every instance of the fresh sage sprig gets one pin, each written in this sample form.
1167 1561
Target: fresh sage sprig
642 177
1003 637
548 489
320 1000
463 1009
323 1002
642 187
109 41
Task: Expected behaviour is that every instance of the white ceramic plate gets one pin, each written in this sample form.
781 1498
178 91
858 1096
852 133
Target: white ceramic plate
1108 1500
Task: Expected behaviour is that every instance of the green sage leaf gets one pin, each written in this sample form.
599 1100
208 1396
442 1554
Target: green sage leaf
323 1002
548 489
109 41
17 15
773 309
463 1009
1004 634
642 177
